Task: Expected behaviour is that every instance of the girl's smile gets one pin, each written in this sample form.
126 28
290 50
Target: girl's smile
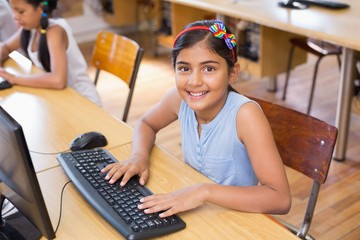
197 94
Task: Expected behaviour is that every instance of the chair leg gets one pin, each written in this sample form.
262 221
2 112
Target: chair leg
313 85
339 61
293 229
314 81
288 71
127 105
96 76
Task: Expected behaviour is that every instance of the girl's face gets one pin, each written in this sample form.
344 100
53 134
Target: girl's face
202 78
26 14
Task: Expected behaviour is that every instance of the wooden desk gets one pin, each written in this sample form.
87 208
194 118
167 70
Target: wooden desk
52 118
336 26
80 221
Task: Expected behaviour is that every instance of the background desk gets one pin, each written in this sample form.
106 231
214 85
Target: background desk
167 174
336 26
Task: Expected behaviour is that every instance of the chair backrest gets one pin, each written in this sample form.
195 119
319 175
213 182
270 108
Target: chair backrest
305 144
120 56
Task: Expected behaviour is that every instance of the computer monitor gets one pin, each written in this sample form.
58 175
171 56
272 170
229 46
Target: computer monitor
19 185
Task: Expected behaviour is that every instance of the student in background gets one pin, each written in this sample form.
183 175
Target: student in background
225 135
50 45
8 25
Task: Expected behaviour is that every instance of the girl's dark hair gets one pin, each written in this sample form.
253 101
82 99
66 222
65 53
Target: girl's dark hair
48 7
190 38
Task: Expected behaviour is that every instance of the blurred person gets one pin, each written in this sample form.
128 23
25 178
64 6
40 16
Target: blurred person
51 46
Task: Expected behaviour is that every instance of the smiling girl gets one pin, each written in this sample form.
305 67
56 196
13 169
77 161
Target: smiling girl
225 135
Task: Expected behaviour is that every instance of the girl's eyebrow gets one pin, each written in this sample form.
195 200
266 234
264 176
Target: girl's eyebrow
210 62
202 63
17 9
182 62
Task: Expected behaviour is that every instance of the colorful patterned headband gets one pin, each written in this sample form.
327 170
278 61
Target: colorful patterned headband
219 31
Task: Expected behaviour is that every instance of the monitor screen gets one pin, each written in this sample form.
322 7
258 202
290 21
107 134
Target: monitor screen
18 181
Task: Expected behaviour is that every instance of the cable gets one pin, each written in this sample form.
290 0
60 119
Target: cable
49 153
61 201
68 150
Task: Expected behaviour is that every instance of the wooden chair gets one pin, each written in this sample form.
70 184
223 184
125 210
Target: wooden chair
120 56
317 48
306 145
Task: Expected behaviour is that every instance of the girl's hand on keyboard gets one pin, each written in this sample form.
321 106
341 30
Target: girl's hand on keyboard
126 169
174 202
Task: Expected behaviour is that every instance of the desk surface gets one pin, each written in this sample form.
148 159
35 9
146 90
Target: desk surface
337 26
167 174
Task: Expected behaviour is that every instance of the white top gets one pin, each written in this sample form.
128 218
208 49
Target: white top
8 25
78 78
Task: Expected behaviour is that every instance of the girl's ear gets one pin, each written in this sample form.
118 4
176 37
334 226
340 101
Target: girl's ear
234 73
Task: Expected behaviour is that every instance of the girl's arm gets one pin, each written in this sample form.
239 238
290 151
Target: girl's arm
160 116
272 195
56 79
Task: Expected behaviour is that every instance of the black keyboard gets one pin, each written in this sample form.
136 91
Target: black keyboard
325 3
118 205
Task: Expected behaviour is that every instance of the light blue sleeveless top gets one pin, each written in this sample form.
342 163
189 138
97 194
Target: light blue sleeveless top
217 153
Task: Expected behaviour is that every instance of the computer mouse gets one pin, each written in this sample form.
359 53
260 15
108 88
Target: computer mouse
88 140
4 84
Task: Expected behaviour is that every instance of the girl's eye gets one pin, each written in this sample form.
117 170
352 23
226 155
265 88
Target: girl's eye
209 69
183 69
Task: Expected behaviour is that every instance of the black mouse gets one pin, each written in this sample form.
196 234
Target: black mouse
87 141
